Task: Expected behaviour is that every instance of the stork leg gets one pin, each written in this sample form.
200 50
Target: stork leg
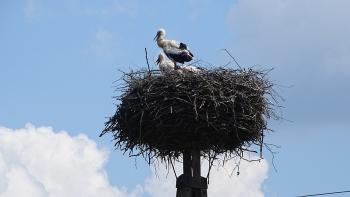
176 67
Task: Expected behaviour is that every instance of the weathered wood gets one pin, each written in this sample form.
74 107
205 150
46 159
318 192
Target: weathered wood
196 163
190 183
199 193
184 192
187 163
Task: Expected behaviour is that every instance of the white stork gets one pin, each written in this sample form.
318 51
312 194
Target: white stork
165 64
191 69
176 51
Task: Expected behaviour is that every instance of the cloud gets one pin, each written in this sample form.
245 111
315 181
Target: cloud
247 184
295 33
39 162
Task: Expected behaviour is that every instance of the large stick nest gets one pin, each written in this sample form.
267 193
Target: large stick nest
216 111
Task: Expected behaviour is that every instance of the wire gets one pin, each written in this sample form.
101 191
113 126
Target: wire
322 194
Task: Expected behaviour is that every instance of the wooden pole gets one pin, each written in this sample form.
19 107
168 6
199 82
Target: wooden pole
187 170
196 163
190 183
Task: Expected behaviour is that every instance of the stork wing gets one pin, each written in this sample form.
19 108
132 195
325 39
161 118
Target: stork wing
177 54
174 43
183 46
172 50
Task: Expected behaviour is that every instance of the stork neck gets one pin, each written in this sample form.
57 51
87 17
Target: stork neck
161 42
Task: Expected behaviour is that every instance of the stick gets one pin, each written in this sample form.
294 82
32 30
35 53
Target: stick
233 58
149 69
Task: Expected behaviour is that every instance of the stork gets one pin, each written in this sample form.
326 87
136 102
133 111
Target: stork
176 51
166 65
191 69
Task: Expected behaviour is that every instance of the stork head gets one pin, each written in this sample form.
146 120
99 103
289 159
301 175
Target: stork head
160 34
160 58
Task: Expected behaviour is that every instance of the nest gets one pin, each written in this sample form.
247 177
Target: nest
218 111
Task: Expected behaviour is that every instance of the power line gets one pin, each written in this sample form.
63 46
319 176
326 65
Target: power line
322 194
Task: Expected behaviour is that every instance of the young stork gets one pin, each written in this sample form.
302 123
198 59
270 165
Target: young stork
166 65
176 51
191 69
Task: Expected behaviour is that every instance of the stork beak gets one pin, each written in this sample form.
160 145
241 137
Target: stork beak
157 36
158 61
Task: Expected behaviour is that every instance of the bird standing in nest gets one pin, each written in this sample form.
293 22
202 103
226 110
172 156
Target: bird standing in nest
174 50
166 65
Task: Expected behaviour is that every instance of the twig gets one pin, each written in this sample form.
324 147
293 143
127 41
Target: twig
149 69
233 58
267 146
173 167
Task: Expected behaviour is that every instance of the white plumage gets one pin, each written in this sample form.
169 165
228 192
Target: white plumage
162 42
165 64
174 50
190 69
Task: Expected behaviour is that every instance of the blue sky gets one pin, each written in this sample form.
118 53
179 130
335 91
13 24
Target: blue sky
58 61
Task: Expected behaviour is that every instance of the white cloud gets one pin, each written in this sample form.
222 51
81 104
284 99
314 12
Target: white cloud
39 162
310 34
